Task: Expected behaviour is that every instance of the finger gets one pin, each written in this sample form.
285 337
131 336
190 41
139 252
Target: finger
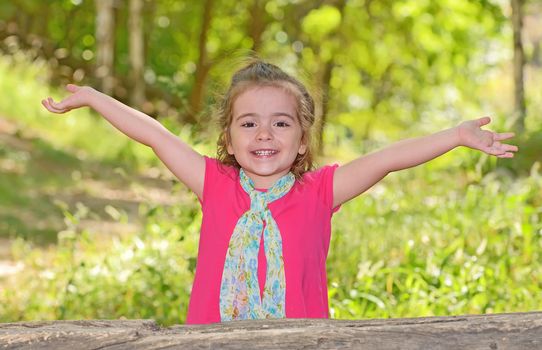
504 136
506 155
509 148
47 105
483 121
496 152
59 106
44 104
72 87
498 149
51 103
491 150
503 147
51 108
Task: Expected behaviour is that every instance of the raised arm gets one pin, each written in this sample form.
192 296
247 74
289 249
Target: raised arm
354 178
183 161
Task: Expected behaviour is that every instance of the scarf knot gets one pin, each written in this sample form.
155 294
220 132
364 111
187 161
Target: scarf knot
258 202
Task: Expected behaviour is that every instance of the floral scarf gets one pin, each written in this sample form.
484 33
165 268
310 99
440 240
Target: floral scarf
239 290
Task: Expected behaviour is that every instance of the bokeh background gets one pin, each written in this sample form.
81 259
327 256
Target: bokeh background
92 225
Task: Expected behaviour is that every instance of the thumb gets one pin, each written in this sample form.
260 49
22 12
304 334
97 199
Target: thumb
72 88
483 121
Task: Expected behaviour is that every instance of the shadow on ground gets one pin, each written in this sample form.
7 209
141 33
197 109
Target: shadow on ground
39 184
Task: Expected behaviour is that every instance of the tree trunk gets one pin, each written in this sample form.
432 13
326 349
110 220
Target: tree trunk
325 84
519 62
202 66
326 81
475 332
137 95
105 44
257 23
536 60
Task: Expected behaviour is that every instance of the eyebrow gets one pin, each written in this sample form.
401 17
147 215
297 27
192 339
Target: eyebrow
276 114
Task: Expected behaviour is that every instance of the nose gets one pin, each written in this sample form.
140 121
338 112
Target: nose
264 133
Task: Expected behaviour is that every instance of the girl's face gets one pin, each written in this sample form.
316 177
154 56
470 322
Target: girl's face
265 134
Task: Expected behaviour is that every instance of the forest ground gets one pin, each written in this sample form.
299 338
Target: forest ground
38 181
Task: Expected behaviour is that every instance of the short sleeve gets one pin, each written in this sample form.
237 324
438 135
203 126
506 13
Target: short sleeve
208 168
322 180
211 173
216 176
329 172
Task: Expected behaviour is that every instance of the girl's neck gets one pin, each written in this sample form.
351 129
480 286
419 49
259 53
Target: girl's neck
263 183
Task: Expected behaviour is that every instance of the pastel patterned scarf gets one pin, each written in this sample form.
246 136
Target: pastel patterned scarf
240 290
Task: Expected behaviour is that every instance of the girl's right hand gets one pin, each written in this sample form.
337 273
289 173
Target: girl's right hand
80 97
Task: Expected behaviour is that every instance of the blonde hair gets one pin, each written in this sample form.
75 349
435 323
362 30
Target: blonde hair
258 74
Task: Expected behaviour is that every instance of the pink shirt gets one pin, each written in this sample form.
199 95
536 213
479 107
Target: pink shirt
303 217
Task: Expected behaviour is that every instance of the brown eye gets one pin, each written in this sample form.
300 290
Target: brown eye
282 124
248 125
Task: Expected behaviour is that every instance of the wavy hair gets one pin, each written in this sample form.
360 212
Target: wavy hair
259 74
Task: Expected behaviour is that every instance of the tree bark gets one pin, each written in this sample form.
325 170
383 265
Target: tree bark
325 84
202 66
537 58
498 331
519 63
137 96
258 23
105 44
326 81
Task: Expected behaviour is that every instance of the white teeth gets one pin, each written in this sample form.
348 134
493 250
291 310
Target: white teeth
264 153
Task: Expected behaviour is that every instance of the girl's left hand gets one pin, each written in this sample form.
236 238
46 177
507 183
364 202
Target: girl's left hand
471 135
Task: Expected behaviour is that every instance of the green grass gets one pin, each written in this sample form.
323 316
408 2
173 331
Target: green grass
445 249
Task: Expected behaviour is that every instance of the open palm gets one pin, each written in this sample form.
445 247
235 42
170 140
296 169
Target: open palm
471 135
78 98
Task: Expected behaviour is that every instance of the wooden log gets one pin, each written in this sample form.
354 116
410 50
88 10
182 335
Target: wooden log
488 332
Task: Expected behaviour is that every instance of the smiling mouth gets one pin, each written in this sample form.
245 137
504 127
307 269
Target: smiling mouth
265 152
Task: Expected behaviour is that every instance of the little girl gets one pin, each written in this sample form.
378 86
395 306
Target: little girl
267 213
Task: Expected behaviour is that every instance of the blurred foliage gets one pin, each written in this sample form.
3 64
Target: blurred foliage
450 247
400 59
143 276
380 70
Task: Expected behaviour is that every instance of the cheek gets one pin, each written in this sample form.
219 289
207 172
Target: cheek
236 142
231 146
